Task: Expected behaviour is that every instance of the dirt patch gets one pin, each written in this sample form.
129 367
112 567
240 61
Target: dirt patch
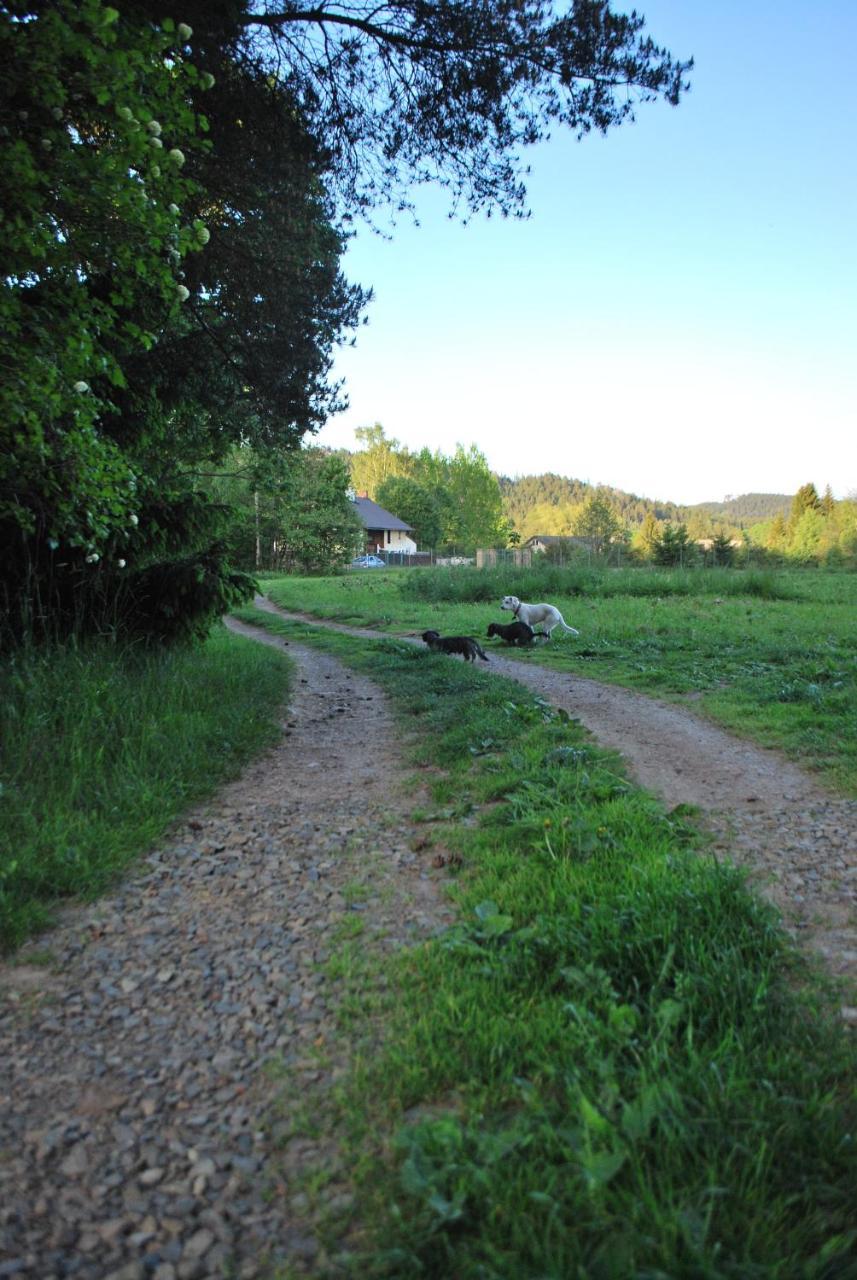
797 840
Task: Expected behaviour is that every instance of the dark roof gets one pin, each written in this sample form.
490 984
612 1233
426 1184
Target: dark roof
550 539
375 517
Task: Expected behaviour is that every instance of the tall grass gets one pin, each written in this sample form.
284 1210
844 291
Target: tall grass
544 581
103 746
606 1070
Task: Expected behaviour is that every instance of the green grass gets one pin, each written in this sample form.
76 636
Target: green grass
102 748
615 1065
772 656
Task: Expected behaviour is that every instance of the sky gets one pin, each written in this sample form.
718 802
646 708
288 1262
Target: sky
678 317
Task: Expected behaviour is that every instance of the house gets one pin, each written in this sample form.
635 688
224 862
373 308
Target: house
384 531
544 541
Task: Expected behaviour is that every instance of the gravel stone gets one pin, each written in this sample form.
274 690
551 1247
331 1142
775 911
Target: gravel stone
138 1117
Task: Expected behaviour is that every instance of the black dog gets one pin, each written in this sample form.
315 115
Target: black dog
519 633
465 645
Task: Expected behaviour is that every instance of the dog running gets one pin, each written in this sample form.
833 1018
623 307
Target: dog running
546 614
465 645
514 633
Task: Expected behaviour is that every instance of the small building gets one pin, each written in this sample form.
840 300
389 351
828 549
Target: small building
384 531
545 541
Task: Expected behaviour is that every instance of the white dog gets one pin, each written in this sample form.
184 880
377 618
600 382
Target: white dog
546 614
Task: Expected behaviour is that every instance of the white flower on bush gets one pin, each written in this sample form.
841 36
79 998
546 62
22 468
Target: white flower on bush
135 520
182 293
156 142
154 127
177 156
184 32
125 113
155 170
121 564
92 558
47 144
174 210
81 387
207 80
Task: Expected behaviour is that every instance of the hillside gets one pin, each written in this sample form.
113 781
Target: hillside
523 494
748 508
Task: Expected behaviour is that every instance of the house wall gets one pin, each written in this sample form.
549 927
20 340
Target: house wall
380 540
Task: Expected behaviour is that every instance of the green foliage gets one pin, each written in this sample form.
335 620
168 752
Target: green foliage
722 551
96 124
417 505
124 384
104 746
598 522
381 459
674 547
455 499
289 510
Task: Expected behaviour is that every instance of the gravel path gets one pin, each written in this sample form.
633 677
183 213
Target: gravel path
797 839
157 1046
161 1049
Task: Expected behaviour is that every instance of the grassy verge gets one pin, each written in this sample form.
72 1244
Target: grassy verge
607 1069
102 748
778 666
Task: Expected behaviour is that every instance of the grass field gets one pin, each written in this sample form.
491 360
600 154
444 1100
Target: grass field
772 656
102 748
614 1065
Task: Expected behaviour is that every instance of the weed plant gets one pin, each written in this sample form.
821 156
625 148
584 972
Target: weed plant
103 746
614 1065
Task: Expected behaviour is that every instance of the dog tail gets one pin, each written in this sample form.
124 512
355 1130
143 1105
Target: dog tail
482 655
574 631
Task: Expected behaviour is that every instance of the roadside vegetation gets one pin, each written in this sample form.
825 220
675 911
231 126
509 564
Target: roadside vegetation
771 655
615 1064
104 746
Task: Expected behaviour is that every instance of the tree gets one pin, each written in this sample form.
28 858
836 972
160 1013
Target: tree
380 459
425 90
806 499
298 515
468 495
650 536
807 533
777 534
174 285
597 522
723 553
179 198
674 547
96 129
416 505
827 504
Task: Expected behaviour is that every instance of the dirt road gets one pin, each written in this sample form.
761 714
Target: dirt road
798 840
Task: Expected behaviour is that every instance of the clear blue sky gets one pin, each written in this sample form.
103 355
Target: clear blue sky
678 318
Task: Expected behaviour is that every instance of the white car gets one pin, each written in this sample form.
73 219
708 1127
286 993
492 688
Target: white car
367 562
